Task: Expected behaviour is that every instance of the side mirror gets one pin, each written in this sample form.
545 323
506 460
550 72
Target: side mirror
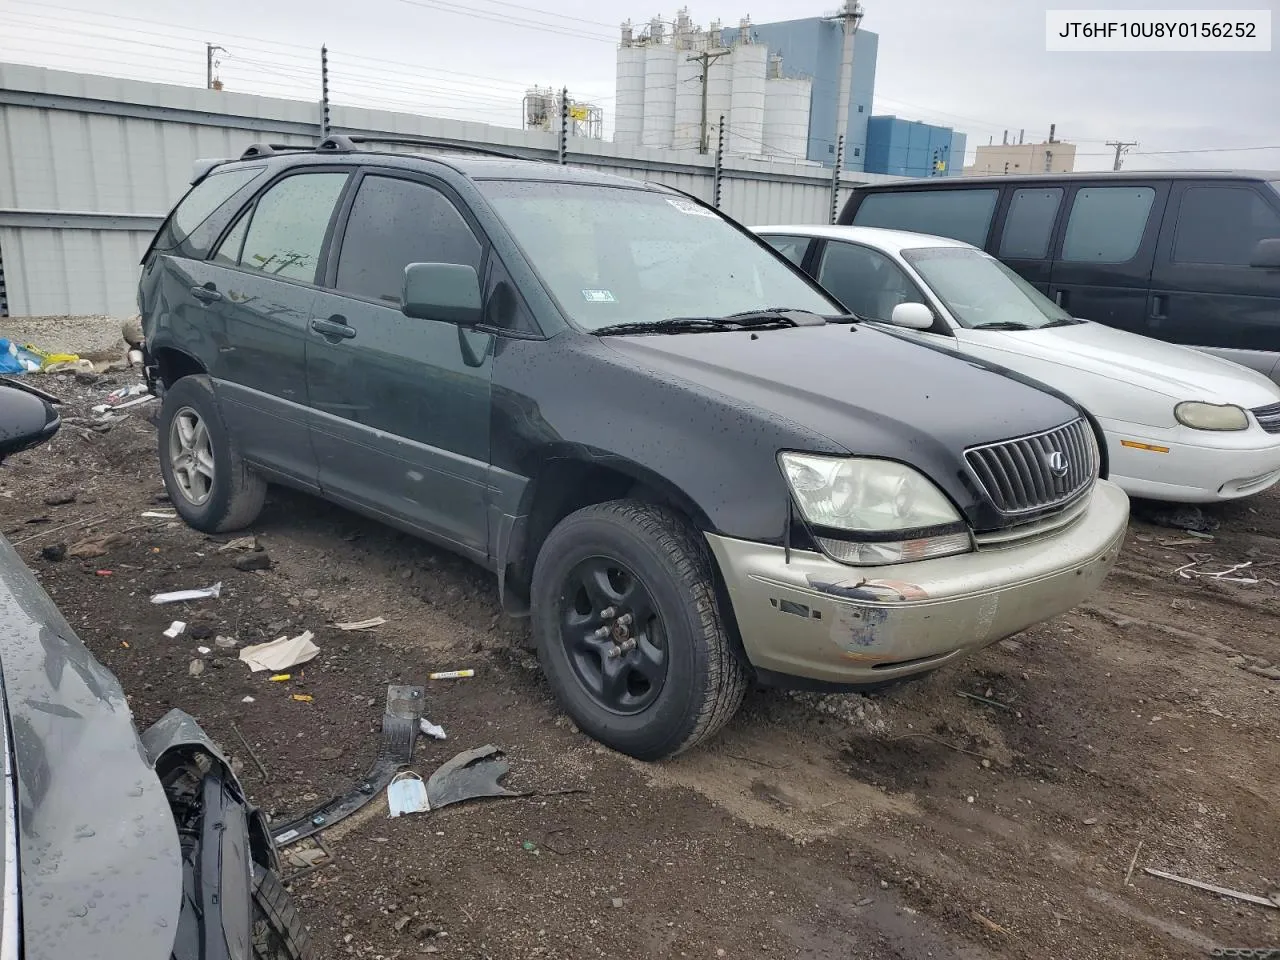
26 420
913 316
1266 254
448 292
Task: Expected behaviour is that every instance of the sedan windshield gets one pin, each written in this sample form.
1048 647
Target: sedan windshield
619 256
980 291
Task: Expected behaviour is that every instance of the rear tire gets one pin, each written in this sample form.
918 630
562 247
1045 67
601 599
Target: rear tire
678 682
208 482
278 933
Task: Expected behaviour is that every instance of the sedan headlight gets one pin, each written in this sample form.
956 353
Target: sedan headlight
872 500
1211 416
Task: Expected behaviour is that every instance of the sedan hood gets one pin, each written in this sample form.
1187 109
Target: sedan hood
869 391
98 849
1179 373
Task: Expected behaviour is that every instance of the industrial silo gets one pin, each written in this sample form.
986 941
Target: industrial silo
746 110
688 129
786 117
659 90
628 120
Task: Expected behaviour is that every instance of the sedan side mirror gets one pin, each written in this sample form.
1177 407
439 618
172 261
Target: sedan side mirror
448 292
1266 254
26 421
913 316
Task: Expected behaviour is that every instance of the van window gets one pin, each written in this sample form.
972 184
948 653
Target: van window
1030 223
287 231
1107 224
1222 225
959 214
394 223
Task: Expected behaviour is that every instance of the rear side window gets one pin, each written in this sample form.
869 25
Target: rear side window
206 196
1107 224
1222 225
288 225
793 248
394 223
1030 223
958 214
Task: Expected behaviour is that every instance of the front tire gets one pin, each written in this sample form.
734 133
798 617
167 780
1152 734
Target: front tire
208 483
628 630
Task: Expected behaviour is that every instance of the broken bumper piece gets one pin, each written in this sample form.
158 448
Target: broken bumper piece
816 619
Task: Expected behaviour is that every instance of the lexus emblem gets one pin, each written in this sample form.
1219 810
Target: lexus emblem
1057 463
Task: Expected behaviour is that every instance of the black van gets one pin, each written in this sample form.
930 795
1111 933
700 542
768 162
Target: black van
1191 257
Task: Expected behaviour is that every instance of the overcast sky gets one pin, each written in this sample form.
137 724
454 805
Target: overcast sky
940 61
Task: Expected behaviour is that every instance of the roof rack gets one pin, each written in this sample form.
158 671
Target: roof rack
343 143
270 149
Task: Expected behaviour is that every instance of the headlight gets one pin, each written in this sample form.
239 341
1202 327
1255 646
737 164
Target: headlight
1211 416
873 499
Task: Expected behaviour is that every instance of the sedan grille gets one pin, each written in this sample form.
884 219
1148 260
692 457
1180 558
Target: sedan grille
1039 472
1269 418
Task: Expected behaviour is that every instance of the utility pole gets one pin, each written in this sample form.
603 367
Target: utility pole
850 16
1122 147
210 82
706 59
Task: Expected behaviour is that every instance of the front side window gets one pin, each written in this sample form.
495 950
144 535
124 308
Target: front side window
793 248
288 225
1107 224
618 255
963 214
394 223
1222 225
1030 223
866 281
980 291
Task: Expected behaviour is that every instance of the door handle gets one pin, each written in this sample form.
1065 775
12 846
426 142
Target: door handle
206 294
333 329
1060 298
1159 303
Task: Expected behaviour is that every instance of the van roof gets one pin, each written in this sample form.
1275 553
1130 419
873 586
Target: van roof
937 183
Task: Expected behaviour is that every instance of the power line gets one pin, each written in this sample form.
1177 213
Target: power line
494 17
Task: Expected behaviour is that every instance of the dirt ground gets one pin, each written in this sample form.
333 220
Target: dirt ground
917 823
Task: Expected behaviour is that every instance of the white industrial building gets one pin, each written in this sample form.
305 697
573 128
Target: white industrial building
660 91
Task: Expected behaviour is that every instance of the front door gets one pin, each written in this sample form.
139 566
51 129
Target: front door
401 406
1102 271
1203 291
260 285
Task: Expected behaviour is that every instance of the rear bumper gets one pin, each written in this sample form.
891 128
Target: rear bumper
816 619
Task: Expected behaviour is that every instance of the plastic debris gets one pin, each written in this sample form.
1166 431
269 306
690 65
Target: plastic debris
248 700
280 654
362 624
407 794
161 514
196 668
104 573
281 677
303 697
451 675
1213 888
203 650
431 729
180 596
468 776
136 402
240 543
224 643
175 629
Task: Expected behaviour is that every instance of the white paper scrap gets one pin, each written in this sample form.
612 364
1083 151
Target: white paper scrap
175 629
178 596
280 654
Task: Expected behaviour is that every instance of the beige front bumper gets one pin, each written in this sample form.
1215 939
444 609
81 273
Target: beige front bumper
821 620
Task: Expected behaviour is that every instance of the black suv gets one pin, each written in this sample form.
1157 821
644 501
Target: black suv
672 447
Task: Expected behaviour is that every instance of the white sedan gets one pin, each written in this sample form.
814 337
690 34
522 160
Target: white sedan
1179 424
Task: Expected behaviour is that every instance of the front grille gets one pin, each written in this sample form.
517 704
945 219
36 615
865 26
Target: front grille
1269 418
1019 476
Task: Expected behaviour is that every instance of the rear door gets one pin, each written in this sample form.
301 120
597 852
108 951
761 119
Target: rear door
1025 231
259 288
1203 291
1102 267
401 405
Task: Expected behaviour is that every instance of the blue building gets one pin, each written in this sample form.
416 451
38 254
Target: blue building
812 48
909 148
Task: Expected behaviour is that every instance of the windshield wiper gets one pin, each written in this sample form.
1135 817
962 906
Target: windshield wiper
1064 322
771 317
1001 325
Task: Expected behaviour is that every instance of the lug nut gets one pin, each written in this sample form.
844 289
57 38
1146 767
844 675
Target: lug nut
625 620
601 633
607 613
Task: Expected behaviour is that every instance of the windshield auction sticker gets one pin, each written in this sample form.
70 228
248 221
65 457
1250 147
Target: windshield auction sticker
1156 31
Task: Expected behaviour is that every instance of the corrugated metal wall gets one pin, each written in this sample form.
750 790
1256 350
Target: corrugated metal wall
89 166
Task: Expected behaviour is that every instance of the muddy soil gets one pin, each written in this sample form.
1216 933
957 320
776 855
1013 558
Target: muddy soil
991 810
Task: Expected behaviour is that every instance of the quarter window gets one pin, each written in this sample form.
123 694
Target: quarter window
1107 224
866 281
288 225
394 223
1029 223
1222 225
963 214
206 196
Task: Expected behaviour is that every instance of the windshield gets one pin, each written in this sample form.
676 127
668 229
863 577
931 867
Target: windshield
613 255
1275 185
981 291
